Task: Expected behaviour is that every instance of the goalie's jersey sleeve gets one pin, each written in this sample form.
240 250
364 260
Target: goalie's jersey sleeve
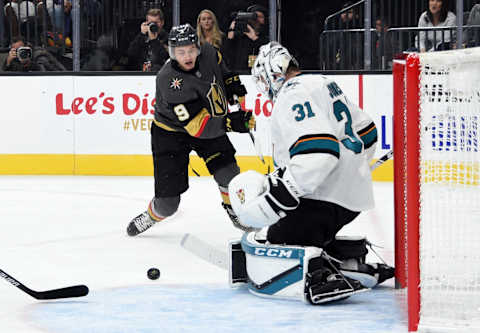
193 102
326 141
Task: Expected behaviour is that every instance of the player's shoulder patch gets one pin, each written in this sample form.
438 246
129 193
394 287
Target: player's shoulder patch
176 83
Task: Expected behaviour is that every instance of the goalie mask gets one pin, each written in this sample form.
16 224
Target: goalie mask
270 68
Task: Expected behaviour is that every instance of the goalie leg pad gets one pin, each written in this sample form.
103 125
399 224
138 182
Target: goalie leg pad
293 272
237 264
276 271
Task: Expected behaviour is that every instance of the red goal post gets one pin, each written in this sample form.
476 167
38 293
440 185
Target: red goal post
436 124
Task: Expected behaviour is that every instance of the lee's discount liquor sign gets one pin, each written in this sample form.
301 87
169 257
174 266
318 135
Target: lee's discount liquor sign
113 114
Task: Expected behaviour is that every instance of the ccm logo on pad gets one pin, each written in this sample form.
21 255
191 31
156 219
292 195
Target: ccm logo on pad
261 251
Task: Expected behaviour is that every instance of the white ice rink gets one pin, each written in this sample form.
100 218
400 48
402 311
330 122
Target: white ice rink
58 231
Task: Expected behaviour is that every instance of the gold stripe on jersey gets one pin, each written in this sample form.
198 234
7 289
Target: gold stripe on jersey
163 126
196 126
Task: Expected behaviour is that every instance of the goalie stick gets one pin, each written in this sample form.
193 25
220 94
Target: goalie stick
382 160
204 251
74 291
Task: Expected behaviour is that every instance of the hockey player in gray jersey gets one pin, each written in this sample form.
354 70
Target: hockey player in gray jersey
192 90
322 146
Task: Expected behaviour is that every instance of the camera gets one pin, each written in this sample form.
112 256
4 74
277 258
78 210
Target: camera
24 53
153 27
241 21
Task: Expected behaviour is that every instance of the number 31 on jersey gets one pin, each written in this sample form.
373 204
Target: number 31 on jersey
341 113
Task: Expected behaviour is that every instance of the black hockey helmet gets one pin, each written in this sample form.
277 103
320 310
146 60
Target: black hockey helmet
181 35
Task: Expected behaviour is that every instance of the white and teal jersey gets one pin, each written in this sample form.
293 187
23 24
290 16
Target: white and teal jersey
326 141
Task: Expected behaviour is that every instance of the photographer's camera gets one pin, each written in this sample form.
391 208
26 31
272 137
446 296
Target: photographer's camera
153 27
241 22
24 53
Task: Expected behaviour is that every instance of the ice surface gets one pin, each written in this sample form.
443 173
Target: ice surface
59 231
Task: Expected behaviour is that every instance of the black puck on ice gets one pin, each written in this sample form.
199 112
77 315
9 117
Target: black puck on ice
153 273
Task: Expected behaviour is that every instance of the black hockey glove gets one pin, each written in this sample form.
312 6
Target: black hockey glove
235 89
282 195
239 121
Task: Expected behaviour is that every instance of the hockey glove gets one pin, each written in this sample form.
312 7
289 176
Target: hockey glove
260 200
235 89
240 121
282 192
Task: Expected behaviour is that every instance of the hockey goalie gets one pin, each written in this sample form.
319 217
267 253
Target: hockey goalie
322 146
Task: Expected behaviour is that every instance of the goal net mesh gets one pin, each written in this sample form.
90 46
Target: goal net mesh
450 189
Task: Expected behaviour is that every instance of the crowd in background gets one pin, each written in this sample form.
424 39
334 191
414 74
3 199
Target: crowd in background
36 35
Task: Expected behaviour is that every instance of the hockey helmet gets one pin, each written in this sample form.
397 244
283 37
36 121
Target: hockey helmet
270 68
181 35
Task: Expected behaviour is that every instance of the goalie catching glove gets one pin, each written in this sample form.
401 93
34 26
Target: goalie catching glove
260 200
240 121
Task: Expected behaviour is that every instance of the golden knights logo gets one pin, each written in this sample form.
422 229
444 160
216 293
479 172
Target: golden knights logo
176 83
217 99
241 195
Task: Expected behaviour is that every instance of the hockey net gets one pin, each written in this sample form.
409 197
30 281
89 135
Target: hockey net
437 188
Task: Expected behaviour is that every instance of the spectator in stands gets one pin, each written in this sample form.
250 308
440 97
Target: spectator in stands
60 16
241 47
148 51
347 44
18 14
383 45
20 58
349 19
208 30
437 15
473 33
22 9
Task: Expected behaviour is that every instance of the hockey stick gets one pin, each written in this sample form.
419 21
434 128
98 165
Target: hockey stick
255 145
204 251
382 160
74 291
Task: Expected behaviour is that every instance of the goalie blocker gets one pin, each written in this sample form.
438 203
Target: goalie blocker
304 273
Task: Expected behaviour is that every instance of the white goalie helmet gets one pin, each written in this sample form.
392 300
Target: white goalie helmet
270 68
247 193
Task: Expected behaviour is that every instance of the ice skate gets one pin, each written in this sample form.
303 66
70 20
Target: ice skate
140 223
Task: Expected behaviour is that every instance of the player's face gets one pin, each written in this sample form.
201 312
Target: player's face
186 56
206 21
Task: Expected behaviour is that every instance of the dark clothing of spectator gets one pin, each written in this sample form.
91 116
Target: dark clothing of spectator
142 51
383 48
473 33
17 66
240 51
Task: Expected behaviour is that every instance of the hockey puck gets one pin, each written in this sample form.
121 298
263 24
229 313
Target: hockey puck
153 273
